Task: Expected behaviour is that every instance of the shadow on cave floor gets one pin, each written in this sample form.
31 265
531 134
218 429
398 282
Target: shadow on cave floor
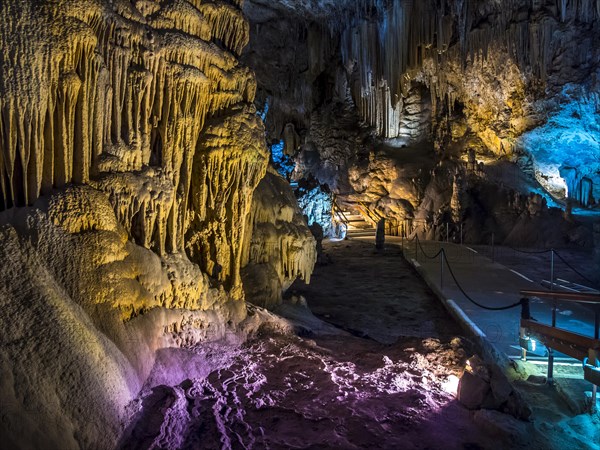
374 294
332 389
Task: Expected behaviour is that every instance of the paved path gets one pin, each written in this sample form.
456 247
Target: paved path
494 285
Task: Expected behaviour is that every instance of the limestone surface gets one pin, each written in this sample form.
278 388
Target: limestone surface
129 154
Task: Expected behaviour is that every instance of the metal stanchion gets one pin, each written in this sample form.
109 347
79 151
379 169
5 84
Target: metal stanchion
552 270
550 351
596 336
594 362
525 315
442 256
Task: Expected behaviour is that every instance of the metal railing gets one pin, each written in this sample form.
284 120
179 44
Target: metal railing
367 213
575 345
583 348
337 212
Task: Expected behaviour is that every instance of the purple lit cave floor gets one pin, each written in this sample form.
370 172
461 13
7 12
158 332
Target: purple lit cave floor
383 377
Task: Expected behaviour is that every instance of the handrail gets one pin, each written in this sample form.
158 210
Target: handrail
577 346
575 339
578 297
374 213
339 210
373 216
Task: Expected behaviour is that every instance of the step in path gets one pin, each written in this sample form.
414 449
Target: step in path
358 226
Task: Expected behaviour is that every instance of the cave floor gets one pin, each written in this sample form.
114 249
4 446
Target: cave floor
383 376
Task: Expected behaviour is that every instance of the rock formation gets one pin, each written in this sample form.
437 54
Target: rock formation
137 210
281 247
129 154
510 81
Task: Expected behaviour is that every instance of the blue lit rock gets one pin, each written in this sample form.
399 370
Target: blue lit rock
566 148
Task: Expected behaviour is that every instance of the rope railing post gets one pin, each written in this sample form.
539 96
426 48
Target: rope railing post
493 246
447 232
552 269
595 362
525 315
550 351
461 233
442 257
417 248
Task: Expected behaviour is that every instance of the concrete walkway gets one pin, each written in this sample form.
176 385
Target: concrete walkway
494 285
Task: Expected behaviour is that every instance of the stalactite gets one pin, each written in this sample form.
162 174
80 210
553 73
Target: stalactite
279 237
227 24
118 89
383 48
229 162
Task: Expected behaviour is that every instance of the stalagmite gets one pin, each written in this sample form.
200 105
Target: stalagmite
280 247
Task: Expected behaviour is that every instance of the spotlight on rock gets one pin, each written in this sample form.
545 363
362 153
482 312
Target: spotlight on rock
451 385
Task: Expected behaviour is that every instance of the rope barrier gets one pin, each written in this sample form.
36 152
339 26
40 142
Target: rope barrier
425 254
539 252
500 308
573 269
529 252
442 252
460 288
457 258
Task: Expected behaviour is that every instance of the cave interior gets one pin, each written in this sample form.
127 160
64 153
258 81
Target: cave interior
299 224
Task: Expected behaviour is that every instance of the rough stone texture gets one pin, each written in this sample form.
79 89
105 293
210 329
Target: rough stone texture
485 387
458 77
281 247
129 154
70 363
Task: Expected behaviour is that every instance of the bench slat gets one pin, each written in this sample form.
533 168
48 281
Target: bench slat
567 342
579 297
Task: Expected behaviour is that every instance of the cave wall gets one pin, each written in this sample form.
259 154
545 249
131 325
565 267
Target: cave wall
120 95
130 150
495 59
373 80
500 65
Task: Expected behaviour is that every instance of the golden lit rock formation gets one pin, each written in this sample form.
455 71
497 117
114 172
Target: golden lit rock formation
281 248
129 154
116 95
